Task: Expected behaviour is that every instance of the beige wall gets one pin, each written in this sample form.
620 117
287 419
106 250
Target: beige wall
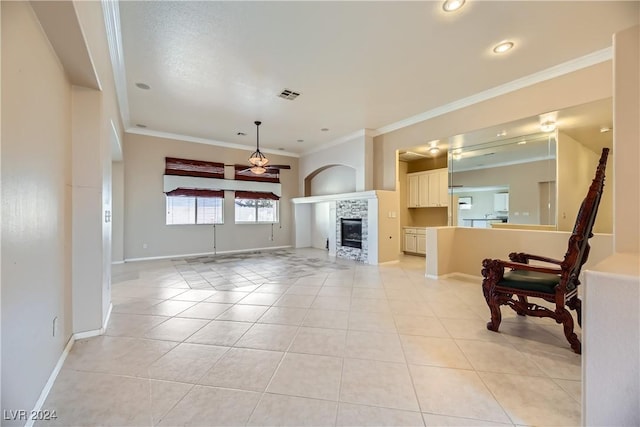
626 140
576 169
579 87
389 245
611 376
461 249
356 153
54 192
426 164
117 207
333 180
144 220
36 207
522 180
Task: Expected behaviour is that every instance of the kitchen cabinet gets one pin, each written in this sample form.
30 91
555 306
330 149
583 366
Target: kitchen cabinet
415 240
428 189
501 202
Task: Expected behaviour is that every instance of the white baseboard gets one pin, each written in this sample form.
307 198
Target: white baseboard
88 334
52 379
63 357
95 332
105 324
236 251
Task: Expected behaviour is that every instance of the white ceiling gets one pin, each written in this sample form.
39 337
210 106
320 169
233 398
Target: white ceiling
216 67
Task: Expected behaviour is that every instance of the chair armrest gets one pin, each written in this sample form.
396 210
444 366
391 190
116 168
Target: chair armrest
529 267
493 269
524 258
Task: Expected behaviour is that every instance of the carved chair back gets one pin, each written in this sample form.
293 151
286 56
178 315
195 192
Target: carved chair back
578 250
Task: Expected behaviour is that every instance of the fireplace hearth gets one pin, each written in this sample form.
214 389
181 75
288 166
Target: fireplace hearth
351 232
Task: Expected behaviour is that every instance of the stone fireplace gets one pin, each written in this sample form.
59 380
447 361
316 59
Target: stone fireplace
352 217
330 221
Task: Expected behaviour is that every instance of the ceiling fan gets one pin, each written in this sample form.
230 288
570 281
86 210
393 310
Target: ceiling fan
259 163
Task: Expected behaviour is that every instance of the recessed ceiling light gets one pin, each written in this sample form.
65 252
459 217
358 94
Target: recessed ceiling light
605 129
433 147
502 47
301 140
143 86
502 133
452 5
548 126
324 129
140 125
522 142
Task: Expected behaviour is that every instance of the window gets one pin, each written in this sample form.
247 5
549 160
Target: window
256 210
194 210
256 207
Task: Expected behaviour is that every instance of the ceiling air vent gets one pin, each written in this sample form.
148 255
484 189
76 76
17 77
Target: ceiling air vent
289 94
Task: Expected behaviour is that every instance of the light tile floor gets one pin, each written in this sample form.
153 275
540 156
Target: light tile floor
294 337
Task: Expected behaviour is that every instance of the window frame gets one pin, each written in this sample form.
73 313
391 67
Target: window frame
195 209
276 209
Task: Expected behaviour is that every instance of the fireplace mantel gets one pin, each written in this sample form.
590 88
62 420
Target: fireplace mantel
334 197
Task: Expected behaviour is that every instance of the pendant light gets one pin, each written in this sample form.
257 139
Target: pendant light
257 159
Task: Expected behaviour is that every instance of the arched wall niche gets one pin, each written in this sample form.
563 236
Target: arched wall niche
330 179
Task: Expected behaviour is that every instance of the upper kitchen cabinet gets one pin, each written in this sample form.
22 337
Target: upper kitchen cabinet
501 202
428 189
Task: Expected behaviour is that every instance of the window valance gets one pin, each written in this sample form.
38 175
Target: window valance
196 192
256 195
199 168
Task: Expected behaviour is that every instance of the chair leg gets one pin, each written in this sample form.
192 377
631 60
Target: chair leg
494 307
576 304
566 319
524 301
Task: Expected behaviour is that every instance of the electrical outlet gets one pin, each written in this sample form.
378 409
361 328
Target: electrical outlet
55 326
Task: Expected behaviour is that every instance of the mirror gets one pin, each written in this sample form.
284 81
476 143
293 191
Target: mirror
504 182
518 175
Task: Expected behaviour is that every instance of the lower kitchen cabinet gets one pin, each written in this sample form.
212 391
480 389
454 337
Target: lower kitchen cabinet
415 240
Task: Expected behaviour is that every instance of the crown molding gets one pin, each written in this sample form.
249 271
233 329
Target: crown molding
111 11
167 135
576 64
341 140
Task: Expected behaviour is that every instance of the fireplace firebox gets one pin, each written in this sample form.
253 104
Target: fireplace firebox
351 232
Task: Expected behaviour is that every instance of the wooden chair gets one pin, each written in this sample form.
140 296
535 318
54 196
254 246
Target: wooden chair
556 284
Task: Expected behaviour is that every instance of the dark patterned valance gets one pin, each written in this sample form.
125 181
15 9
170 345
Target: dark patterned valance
185 167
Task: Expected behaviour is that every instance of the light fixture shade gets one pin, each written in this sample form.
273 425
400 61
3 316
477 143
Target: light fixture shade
258 159
503 47
434 150
258 170
452 5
